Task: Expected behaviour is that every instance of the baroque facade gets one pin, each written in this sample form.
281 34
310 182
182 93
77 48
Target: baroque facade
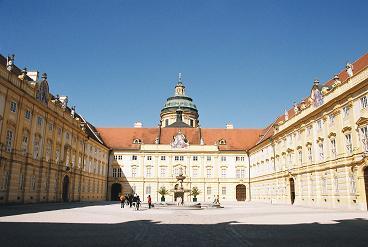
315 154
48 152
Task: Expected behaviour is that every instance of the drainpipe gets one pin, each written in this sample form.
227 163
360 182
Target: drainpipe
107 174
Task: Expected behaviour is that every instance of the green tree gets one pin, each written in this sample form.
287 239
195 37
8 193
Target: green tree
163 192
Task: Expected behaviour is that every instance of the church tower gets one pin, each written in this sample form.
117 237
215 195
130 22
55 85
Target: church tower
179 110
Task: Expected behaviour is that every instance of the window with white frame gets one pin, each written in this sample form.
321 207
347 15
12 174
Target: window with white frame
13 106
208 158
149 157
310 157
209 172
195 158
39 120
24 145
148 171
48 150
134 172
242 173
209 190
363 102
333 148
237 173
36 147
348 143
134 157
223 158
33 183
223 190
223 172
300 156
119 172
195 172
163 158
364 137
148 189
319 124
9 140
27 114
331 119
239 158
163 171
114 172
320 150
345 111
177 158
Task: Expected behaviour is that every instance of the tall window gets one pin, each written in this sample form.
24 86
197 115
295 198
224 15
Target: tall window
148 171
333 148
13 106
27 115
309 153
21 181
352 182
119 171
149 157
48 150
148 189
134 157
195 172
209 172
209 191
345 111
33 183
332 119
319 124
163 172
321 154
134 172
181 158
208 158
242 173
114 174
195 158
223 190
364 137
324 185
223 173
237 173
363 102
39 120
348 143
300 157
9 140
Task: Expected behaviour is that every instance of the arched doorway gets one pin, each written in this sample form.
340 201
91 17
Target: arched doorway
241 192
115 191
292 190
366 184
65 188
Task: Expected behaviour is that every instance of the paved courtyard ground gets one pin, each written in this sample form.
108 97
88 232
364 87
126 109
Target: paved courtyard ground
238 224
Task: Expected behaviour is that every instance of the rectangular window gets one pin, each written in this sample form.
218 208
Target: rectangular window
300 157
349 146
319 124
119 172
209 191
223 190
114 172
209 172
321 154
195 172
51 126
148 172
223 173
163 158
120 157
333 148
332 119
345 111
149 157
242 173
237 173
163 172
223 158
148 189
310 154
195 158
208 158
27 115
134 172
364 137
9 141
13 106
363 102
134 157
39 120
181 158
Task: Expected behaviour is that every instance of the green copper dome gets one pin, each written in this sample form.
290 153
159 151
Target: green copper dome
180 102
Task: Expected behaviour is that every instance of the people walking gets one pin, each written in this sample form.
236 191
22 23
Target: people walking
134 200
122 201
149 200
138 202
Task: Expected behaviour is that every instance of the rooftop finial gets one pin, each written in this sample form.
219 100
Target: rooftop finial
179 77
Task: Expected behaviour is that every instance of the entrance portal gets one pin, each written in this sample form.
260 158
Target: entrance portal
65 188
241 192
292 190
115 191
366 184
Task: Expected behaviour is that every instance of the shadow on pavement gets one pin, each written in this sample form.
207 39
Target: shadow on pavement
8 210
147 233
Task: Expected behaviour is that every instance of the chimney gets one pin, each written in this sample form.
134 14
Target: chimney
33 75
138 124
229 126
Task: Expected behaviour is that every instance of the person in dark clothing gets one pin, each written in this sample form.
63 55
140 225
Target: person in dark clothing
130 200
122 201
134 200
138 202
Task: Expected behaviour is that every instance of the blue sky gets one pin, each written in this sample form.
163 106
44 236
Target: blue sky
242 61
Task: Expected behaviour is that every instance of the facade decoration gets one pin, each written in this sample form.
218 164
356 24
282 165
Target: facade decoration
179 141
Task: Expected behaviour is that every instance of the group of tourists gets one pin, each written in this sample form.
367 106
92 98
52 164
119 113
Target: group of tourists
133 201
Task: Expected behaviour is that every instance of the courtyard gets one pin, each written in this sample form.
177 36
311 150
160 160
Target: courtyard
237 224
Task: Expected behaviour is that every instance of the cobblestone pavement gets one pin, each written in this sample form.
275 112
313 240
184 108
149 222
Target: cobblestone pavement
238 224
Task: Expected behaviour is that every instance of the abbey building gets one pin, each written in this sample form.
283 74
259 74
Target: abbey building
314 154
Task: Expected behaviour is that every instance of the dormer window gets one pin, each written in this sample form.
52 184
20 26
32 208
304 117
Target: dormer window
222 142
137 141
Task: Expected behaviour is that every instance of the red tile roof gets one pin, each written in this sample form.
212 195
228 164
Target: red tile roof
236 139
